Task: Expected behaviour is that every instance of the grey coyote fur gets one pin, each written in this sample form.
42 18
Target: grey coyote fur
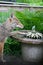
5 29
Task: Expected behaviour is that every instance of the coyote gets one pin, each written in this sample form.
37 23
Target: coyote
5 29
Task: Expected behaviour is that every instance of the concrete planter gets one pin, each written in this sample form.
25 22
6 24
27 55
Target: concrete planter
32 52
32 49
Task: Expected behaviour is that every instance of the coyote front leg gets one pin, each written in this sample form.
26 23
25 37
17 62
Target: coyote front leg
1 51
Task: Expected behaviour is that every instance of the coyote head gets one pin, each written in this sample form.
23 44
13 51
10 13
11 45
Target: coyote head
13 22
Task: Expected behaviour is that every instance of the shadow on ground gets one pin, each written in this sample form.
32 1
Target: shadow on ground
13 60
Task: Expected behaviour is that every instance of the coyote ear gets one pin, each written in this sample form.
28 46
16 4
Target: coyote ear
12 15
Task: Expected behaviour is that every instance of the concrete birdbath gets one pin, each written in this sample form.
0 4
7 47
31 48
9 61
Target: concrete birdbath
32 44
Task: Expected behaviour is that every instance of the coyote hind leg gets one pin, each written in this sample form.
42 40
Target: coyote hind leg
1 51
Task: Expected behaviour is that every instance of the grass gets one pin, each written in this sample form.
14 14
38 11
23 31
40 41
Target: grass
30 19
32 2
29 1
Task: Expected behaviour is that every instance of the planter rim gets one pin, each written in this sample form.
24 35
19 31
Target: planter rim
27 40
30 41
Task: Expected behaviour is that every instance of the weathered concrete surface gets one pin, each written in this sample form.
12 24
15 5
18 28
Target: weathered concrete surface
32 53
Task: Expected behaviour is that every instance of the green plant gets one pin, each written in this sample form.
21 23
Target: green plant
29 1
30 19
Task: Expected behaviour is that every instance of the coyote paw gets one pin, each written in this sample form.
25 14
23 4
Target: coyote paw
3 60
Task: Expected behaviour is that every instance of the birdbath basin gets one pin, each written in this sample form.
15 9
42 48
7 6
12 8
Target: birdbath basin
31 47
